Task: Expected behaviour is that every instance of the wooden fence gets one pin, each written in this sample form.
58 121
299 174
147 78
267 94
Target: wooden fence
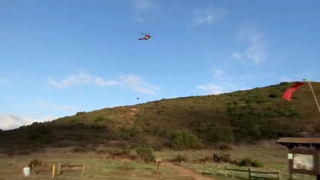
74 169
61 169
251 174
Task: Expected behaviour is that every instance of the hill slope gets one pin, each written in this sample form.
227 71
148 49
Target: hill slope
180 123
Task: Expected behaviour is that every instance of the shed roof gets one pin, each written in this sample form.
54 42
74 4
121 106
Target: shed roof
296 142
299 140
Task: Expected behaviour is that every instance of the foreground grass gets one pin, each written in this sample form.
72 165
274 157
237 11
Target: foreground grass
96 168
99 167
272 159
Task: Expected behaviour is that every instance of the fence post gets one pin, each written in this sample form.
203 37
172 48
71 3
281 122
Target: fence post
279 175
59 169
83 169
249 173
158 165
225 171
53 170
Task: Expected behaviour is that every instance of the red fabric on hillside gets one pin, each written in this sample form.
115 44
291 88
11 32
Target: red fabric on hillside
289 92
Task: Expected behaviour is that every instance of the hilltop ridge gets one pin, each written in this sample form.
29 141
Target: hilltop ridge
180 123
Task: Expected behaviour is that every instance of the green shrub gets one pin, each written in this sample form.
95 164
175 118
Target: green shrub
79 149
256 163
24 152
34 163
179 158
221 134
100 150
184 140
80 113
119 153
145 154
224 147
247 161
126 167
225 157
275 95
99 119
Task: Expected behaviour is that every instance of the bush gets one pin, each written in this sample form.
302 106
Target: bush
181 140
79 149
221 134
225 157
34 163
100 150
256 163
275 95
119 153
157 146
247 161
179 158
80 113
126 167
145 154
99 119
224 147
24 152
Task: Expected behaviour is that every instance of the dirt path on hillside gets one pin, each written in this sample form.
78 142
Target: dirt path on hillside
186 172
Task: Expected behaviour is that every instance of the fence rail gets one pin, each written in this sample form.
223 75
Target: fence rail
250 173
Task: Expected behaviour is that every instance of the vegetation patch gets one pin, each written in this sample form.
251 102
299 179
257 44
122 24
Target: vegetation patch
193 122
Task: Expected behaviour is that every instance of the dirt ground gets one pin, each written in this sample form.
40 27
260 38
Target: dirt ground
186 172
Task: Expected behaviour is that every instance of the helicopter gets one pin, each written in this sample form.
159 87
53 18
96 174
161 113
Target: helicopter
146 36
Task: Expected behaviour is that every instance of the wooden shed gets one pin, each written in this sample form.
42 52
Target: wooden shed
303 155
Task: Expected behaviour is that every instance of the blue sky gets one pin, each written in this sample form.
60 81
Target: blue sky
64 56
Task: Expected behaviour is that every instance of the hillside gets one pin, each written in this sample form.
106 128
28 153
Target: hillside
180 123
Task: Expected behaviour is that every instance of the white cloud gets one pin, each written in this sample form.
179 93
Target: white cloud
144 4
218 73
81 78
141 7
133 82
212 88
284 79
136 83
256 51
11 121
209 16
223 83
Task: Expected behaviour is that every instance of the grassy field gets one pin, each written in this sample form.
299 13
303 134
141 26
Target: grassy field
96 168
99 167
272 159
